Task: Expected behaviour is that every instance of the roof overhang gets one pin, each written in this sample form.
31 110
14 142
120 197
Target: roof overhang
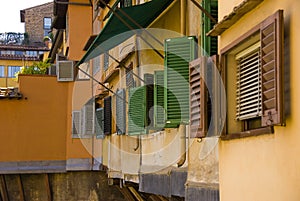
229 20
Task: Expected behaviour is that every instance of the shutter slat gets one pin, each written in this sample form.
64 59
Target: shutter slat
107 116
270 94
272 68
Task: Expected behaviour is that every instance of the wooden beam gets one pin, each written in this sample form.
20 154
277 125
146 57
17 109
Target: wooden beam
21 189
135 193
3 188
48 187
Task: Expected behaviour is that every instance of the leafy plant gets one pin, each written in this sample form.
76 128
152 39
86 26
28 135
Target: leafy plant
39 68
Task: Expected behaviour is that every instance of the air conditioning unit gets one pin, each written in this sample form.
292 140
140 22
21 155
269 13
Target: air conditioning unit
65 71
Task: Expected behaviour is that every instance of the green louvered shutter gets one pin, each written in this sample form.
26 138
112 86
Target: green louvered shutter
137 110
121 111
99 125
209 44
178 53
159 113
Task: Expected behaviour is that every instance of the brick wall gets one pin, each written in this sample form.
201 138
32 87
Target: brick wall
34 21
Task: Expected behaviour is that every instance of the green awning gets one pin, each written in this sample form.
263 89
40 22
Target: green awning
115 31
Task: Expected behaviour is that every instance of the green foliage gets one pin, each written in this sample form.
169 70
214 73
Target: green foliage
39 68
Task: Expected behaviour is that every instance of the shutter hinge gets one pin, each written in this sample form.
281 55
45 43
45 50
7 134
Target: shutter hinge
270 120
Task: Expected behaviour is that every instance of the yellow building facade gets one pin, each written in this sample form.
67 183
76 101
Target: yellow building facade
262 165
158 97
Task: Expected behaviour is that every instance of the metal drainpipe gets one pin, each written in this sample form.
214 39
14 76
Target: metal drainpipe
182 132
138 69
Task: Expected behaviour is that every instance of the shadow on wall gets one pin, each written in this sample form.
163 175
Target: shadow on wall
287 68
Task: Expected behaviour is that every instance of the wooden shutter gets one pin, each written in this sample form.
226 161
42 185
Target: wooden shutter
87 114
198 97
209 43
178 53
149 82
76 124
99 123
129 76
159 112
121 111
107 115
136 110
205 97
106 61
272 68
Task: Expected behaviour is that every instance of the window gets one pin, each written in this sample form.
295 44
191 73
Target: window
140 103
7 52
107 116
31 53
253 68
129 76
88 118
2 71
248 83
96 64
20 53
47 25
121 111
99 123
106 61
47 22
76 124
12 70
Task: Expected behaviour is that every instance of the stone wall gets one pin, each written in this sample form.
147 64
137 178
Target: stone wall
81 186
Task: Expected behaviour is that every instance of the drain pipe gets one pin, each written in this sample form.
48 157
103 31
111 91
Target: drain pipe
182 128
182 137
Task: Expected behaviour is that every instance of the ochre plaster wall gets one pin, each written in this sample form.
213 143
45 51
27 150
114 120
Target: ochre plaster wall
266 167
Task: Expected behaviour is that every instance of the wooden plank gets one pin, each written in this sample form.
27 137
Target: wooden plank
20 186
48 187
3 188
135 193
